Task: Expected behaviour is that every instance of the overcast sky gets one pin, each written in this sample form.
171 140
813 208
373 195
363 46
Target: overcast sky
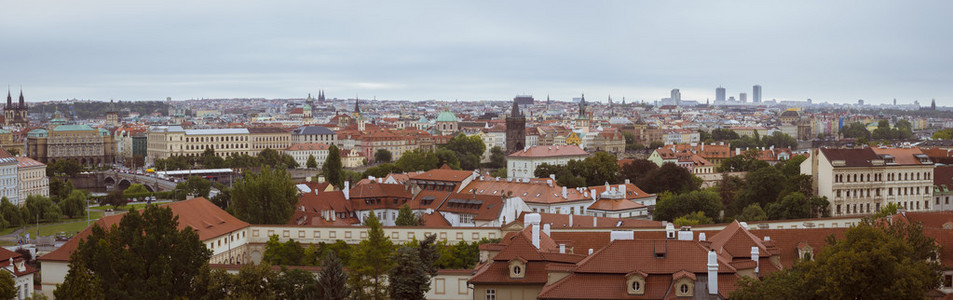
837 51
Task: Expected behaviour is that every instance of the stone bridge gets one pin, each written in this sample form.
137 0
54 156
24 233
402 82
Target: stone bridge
121 181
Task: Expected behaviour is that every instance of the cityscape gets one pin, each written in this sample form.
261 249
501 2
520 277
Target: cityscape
476 151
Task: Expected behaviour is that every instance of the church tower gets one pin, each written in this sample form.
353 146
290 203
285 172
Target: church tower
515 130
583 120
112 116
15 114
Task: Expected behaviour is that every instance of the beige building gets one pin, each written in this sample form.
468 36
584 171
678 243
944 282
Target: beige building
861 181
269 138
523 163
31 175
301 152
87 145
166 141
11 143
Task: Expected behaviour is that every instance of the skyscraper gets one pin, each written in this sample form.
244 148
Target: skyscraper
676 97
719 94
756 93
743 97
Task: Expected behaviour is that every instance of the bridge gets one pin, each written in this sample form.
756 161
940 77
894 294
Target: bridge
122 181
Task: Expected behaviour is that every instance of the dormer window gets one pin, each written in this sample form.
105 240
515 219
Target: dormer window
635 283
517 267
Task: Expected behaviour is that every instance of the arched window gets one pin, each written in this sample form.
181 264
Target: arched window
684 288
517 270
636 285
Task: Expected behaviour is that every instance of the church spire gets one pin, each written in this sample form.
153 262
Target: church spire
357 105
9 99
21 98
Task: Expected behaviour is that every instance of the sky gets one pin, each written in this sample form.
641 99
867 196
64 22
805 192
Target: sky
835 51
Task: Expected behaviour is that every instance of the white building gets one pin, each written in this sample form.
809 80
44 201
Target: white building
32 178
9 185
314 134
301 151
14 263
522 164
861 181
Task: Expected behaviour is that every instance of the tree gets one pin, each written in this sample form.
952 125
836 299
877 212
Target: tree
671 206
371 260
75 204
762 186
636 170
296 284
266 197
195 185
312 162
497 158
468 150
332 169
887 210
656 145
114 198
724 134
694 218
270 157
383 155
451 159
743 163
630 142
210 160
288 253
752 213
145 256
80 283
332 279
42 207
136 191
8 288
60 188
779 140
943 134
855 130
10 213
381 170
406 217
669 177
501 172
408 279
876 260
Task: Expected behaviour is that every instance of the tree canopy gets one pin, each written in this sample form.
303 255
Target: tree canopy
597 169
333 169
669 177
670 206
468 149
371 261
383 155
266 197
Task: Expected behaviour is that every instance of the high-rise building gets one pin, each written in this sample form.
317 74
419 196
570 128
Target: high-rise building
756 93
743 97
719 94
676 97
515 129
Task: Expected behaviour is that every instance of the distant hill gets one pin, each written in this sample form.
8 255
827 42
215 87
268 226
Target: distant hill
92 110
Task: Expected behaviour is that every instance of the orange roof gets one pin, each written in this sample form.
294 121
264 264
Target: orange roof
550 151
208 220
443 175
535 191
902 156
614 205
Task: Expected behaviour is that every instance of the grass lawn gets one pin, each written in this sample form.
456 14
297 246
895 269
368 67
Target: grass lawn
7 243
138 206
69 228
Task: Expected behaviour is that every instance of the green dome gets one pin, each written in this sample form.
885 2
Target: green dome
446 116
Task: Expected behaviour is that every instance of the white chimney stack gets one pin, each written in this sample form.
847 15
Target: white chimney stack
546 228
552 177
628 181
622 189
701 237
595 221
754 257
346 191
767 238
590 251
562 248
565 193
712 273
686 235
533 220
570 220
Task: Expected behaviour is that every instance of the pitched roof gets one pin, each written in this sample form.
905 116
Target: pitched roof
534 191
736 241
312 130
901 156
443 175
208 220
851 157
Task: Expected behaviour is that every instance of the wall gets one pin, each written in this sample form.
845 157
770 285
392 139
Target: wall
53 273
509 292
450 284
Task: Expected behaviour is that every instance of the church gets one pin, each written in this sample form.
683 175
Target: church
15 115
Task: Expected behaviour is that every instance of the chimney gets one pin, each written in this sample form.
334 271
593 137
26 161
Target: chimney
570 220
533 220
712 273
701 237
686 234
754 257
628 181
622 190
552 176
546 228
549 182
562 248
315 191
380 180
590 251
767 238
621 235
565 195
347 190
595 221
670 231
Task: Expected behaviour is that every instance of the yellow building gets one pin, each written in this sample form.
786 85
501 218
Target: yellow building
166 141
88 146
573 139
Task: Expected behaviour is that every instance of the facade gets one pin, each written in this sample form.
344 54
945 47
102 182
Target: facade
86 145
32 179
720 94
446 123
166 141
300 152
942 188
756 93
15 264
314 134
11 142
15 114
268 138
522 164
861 181
9 184
515 130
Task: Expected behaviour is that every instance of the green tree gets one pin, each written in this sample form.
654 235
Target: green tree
636 170
630 142
887 210
855 130
383 155
468 150
452 159
332 279
875 260
42 207
75 204
497 158
381 170
669 177
762 186
270 157
296 284
417 160
288 253
210 160
406 217
779 140
145 256
694 218
10 213
501 172
114 198
724 134
80 283
746 162
8 288
671 206
332 169
752 213
266 197
656 145
312 162
136 191
371 261
195 185
408 279
943 134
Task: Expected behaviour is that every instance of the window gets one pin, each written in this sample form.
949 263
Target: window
636 285
517 270
490 294
948 281
684 288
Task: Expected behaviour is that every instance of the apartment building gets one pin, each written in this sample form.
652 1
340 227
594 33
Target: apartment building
166 141
861 181
268 138
31 175
301 152
522 164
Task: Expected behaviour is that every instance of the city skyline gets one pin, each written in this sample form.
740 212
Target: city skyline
829 52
